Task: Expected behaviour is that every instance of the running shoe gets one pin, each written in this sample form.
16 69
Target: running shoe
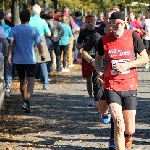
106 118
7 94
26 107
147 65
128 142
90 102
111 144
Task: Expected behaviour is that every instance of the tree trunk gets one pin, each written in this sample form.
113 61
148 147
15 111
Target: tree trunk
15 12
45 2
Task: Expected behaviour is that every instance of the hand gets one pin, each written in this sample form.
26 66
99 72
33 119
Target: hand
43 57
100 78
81 45
121 67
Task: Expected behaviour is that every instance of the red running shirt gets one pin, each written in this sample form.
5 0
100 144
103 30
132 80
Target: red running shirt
119 50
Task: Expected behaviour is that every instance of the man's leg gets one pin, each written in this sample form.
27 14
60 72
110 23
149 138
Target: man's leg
7 77
119 127
115 106
89 86
1 83
44 75
129 111
28 86
23 87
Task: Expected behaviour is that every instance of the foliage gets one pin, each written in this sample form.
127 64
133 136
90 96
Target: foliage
91 6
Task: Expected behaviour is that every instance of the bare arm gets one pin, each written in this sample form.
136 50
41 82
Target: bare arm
87 57
5 47
40 49
10 50
98 63
140 61
121 67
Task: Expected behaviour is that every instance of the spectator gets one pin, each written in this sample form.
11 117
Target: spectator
7 71
57 33
3 50
65 41
22 39
42 27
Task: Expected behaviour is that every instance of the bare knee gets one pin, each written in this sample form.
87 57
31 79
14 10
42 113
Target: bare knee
102 106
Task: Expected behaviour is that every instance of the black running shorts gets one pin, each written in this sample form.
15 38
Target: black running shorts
25 70
127 99
97 88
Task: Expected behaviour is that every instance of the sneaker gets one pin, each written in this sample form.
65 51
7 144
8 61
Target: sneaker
49 80
90 102
111 145
7 94
38 80
71 65
45 87
106 118
128 142
65 70
147 65
26 107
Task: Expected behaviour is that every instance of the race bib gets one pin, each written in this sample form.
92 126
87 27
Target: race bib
114 62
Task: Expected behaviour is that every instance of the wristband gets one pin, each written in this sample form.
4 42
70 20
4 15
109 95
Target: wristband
91 61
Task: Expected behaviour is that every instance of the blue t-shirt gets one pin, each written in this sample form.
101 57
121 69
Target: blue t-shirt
25 37
65 40
78 22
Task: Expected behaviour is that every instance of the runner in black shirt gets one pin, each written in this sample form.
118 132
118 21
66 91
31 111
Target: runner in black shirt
87 69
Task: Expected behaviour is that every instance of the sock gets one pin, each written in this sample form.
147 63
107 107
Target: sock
26 101
127 136
112 128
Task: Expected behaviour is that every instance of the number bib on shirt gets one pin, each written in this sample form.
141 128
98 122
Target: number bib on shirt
114 62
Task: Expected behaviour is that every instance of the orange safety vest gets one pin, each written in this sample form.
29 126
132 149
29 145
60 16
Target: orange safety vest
119 50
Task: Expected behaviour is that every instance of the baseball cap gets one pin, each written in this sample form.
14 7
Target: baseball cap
117 15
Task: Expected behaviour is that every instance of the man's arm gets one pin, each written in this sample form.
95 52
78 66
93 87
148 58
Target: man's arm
139 48
139 61
10 50
4 46
88 58
98 63
91 42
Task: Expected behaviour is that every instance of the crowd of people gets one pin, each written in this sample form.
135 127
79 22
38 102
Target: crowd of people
109 48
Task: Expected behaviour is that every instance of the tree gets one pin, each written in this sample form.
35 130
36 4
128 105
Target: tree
15 12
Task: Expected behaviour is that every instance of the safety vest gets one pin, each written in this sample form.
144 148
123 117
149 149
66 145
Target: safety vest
119 50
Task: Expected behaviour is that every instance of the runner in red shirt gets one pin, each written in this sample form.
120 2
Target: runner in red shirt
120 76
